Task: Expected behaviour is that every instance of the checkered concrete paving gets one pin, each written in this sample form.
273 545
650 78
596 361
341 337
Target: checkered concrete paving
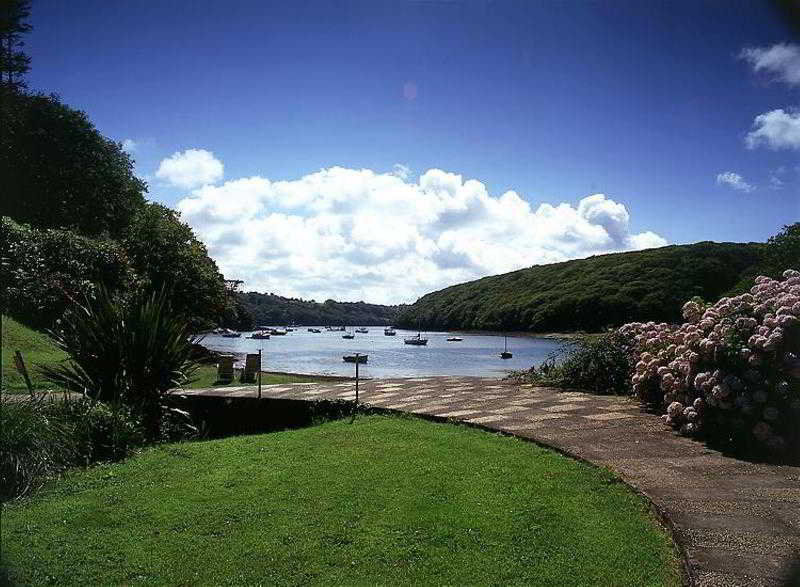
736 522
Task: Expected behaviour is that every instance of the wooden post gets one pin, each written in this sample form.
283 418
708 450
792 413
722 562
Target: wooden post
259 373
357 362
20 364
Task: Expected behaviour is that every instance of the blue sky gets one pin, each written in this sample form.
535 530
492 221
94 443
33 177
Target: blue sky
649 103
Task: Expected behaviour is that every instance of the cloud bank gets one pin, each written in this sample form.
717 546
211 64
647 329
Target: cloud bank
781 61
354 234
190 169
776 129
735 181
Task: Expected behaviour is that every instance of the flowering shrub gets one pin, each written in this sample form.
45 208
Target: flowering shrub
598 364
730 368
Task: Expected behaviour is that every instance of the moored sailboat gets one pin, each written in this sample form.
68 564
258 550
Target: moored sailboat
416 340
506 354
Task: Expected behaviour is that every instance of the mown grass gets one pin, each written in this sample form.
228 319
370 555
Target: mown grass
36 349
380 500
206 376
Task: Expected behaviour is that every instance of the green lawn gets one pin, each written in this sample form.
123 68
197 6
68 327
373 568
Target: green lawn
36 349
381 500
206 376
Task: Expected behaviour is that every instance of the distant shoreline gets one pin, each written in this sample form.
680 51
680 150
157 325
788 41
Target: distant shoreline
522 333
517 333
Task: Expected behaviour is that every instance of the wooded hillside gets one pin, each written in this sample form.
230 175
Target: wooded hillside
589 294
270 309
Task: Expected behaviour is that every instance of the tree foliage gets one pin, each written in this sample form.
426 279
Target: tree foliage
14 63
270 309
783 251
167 255
588 294
44 271
59 172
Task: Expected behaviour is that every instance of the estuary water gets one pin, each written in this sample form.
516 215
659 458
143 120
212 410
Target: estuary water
321 354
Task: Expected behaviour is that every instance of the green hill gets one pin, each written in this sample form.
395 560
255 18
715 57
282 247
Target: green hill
275 310
589 294
36 349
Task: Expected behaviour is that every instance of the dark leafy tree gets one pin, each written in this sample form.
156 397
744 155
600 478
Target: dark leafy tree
14 63
59 172
783 250
43 271
236 315
166 254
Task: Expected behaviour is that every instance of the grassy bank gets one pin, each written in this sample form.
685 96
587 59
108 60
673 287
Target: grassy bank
206 376
381 500
36 349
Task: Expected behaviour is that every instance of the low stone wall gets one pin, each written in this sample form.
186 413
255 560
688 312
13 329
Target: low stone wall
227 416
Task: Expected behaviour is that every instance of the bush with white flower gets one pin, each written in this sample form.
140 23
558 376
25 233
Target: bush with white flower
732 368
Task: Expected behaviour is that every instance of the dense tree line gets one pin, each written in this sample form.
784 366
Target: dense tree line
75 216
270 309
59 172
591 294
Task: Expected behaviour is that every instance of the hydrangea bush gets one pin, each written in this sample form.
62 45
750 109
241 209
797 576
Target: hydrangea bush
732 368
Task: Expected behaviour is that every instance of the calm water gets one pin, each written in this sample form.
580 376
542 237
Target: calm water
306 352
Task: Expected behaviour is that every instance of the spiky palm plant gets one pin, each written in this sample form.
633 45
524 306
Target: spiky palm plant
132 351
92 335
158 351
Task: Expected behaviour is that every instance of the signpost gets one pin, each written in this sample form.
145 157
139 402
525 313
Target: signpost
357 362
259 373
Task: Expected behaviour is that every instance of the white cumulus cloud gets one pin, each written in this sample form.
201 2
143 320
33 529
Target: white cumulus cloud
401 171
777 129
355 234
190 168
781 61
735 181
